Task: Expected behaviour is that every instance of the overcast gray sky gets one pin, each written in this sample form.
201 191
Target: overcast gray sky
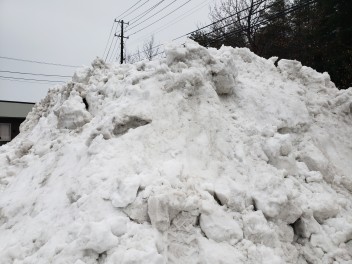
74 32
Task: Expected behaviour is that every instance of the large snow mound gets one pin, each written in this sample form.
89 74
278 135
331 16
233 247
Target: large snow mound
206 156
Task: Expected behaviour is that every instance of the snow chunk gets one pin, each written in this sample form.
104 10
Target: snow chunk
234 195
315 160
126 192
97 237
256 229
290 68
220 227
82 75
222 69
276 198
72 113
212 252
324 206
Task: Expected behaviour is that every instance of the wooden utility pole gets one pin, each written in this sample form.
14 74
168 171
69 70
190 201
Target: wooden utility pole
122 37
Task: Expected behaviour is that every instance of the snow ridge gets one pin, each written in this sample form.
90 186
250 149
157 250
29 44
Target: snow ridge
206 156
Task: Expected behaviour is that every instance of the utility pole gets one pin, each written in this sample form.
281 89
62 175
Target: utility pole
122 37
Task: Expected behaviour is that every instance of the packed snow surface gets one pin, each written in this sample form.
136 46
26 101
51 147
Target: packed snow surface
206 156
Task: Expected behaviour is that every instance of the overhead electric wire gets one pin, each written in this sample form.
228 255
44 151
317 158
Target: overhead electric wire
38 62
151 16
113 43
144 13
113 25
128 10
229 24
107 54
220 20
37 74
177 19
274 16
138 7
113 50
161 18
245 17
114 56
190 12
107 43
173 21
263 21
46 83
30 79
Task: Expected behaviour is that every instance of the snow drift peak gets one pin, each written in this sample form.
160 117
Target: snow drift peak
205 156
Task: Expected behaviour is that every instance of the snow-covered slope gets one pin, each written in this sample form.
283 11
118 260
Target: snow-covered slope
207 156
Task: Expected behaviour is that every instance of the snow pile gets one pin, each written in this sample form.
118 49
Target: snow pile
207 156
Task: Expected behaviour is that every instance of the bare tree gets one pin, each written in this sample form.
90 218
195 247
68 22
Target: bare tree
149 49
132 58
243 16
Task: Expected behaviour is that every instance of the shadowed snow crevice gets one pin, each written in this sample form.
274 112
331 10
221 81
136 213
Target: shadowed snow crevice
129 122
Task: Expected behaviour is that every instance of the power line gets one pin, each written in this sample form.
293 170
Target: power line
211 24
138 7
245 17
37 74
161 18
175 20
115 56
178 18
143 14
152 15
29 79
38 62
107 54
113 50
190 12
128 9
46 83
113 25
264 21
272 17
107 43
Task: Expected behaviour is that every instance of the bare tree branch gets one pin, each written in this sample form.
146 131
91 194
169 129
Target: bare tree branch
149 50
